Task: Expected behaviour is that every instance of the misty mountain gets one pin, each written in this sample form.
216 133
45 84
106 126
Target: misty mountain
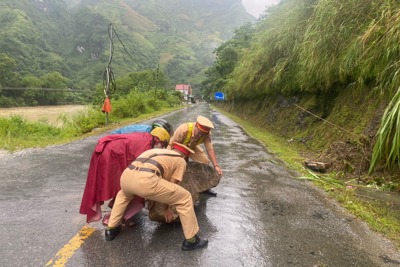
73 37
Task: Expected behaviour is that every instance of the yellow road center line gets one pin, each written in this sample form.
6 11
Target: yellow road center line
65 253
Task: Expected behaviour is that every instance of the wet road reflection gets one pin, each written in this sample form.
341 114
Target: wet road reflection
261 216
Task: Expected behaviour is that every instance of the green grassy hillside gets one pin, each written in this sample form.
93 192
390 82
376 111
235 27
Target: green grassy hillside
321 72
317 83
72 37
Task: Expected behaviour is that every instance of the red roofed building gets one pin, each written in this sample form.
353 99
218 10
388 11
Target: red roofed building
186 90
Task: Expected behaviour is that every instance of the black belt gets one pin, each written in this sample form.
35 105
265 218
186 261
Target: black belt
153 162
133 167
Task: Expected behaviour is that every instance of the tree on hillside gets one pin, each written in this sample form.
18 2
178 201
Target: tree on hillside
8 78
7 70
227 56
30 95
54 89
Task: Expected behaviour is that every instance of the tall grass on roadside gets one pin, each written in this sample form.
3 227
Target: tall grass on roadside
327 46
131 105
387 147
263 69
321 46
17 133
331 28
373 57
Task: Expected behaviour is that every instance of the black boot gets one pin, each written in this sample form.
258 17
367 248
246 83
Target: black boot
112 233
198 243
210 193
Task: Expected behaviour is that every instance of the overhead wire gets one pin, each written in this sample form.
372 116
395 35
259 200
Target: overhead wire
126 51
66 90
109 83
337 126
108 76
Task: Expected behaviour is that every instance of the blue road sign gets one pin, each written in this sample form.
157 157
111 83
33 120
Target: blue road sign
219 96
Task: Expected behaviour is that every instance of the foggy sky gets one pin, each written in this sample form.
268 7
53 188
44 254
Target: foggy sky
256 7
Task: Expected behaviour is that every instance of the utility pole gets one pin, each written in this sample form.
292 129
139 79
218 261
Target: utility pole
107 102
155 91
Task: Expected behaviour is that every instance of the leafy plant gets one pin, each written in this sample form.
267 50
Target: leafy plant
387 147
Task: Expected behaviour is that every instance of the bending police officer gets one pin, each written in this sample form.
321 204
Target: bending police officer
112 154
155 175
193 134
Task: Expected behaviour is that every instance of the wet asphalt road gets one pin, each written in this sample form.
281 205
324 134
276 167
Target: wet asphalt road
262 216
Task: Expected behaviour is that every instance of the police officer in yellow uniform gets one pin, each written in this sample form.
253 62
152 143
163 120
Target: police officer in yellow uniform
155 175
193 134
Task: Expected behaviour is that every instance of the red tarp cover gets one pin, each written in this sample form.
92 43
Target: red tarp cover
112 155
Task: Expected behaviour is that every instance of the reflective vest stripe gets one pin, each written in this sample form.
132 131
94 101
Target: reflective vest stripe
189 134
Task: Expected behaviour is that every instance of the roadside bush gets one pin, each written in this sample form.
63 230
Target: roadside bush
133 104
18 127
85 121
7 102
124 109
17 132
153 104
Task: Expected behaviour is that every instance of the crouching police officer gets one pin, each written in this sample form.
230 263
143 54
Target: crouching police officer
112 154
155 175
193 134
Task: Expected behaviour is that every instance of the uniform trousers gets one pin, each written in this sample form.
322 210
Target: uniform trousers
151 186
